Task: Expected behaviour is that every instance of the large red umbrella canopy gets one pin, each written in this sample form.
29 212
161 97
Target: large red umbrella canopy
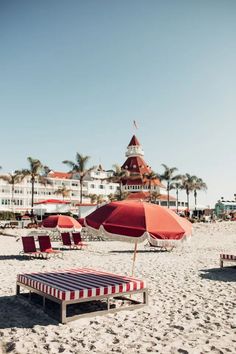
61 222
135 221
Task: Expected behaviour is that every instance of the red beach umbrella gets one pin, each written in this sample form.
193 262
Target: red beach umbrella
81 221
135 221
61 222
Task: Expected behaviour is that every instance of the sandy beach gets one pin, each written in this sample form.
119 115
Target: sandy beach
191 300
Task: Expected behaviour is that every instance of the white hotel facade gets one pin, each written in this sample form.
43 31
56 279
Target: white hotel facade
97 182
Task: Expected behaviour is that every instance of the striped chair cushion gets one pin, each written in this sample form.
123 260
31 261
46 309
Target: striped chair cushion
72 284
228 257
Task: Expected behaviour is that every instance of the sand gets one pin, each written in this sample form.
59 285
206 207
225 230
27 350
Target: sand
192 302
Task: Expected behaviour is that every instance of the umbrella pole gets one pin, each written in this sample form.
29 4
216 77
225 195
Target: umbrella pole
134 257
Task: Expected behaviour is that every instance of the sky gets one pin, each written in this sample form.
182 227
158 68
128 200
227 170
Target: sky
74 75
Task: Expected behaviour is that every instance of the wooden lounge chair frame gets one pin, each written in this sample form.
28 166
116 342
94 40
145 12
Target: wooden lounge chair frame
124 296
227 258
151 247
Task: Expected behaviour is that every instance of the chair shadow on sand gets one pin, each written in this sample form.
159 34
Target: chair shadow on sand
12 256
226 274
19 313
18 257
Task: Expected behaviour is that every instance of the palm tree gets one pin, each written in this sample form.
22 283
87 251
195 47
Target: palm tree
111 197
119 174
12 179
95 198
154 196
169 177
79 168
150 177
187 183
36 173
63 191
198 185
121 196
177 187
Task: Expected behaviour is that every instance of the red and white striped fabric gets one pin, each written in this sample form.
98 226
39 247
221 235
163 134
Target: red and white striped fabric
228 256
72 284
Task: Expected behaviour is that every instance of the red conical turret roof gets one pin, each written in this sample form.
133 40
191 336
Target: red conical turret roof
134 141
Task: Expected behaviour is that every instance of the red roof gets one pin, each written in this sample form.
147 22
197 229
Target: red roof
52 201
153 182
146 195
165 197
63 175
132 182
135 164
139 195
134 141
85 204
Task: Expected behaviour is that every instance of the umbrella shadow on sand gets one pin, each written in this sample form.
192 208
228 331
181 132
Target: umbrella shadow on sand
226 274
19 313
140 251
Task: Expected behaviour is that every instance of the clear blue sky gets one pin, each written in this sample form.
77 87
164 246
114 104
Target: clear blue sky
75 74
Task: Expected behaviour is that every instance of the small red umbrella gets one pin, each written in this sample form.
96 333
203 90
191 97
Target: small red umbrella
135 221
61 222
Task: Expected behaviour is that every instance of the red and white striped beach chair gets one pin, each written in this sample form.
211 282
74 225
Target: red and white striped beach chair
226 258
74 286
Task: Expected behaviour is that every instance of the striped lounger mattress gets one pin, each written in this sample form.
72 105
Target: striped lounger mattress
82 285
226 258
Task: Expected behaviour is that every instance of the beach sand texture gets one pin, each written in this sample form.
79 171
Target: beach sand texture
192 302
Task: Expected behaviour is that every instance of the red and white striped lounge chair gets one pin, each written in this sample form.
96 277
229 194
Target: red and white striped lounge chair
226 258
74 286
29 247
46 247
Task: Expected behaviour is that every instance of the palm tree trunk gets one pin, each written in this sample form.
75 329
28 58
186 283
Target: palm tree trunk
195 199
187 199
32 196
177 197
81 190
168 194
120 189
12 198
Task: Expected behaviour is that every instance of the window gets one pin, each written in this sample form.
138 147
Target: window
101 186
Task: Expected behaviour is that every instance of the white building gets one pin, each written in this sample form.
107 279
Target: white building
95 183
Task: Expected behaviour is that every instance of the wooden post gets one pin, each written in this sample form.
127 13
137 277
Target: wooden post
134 257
